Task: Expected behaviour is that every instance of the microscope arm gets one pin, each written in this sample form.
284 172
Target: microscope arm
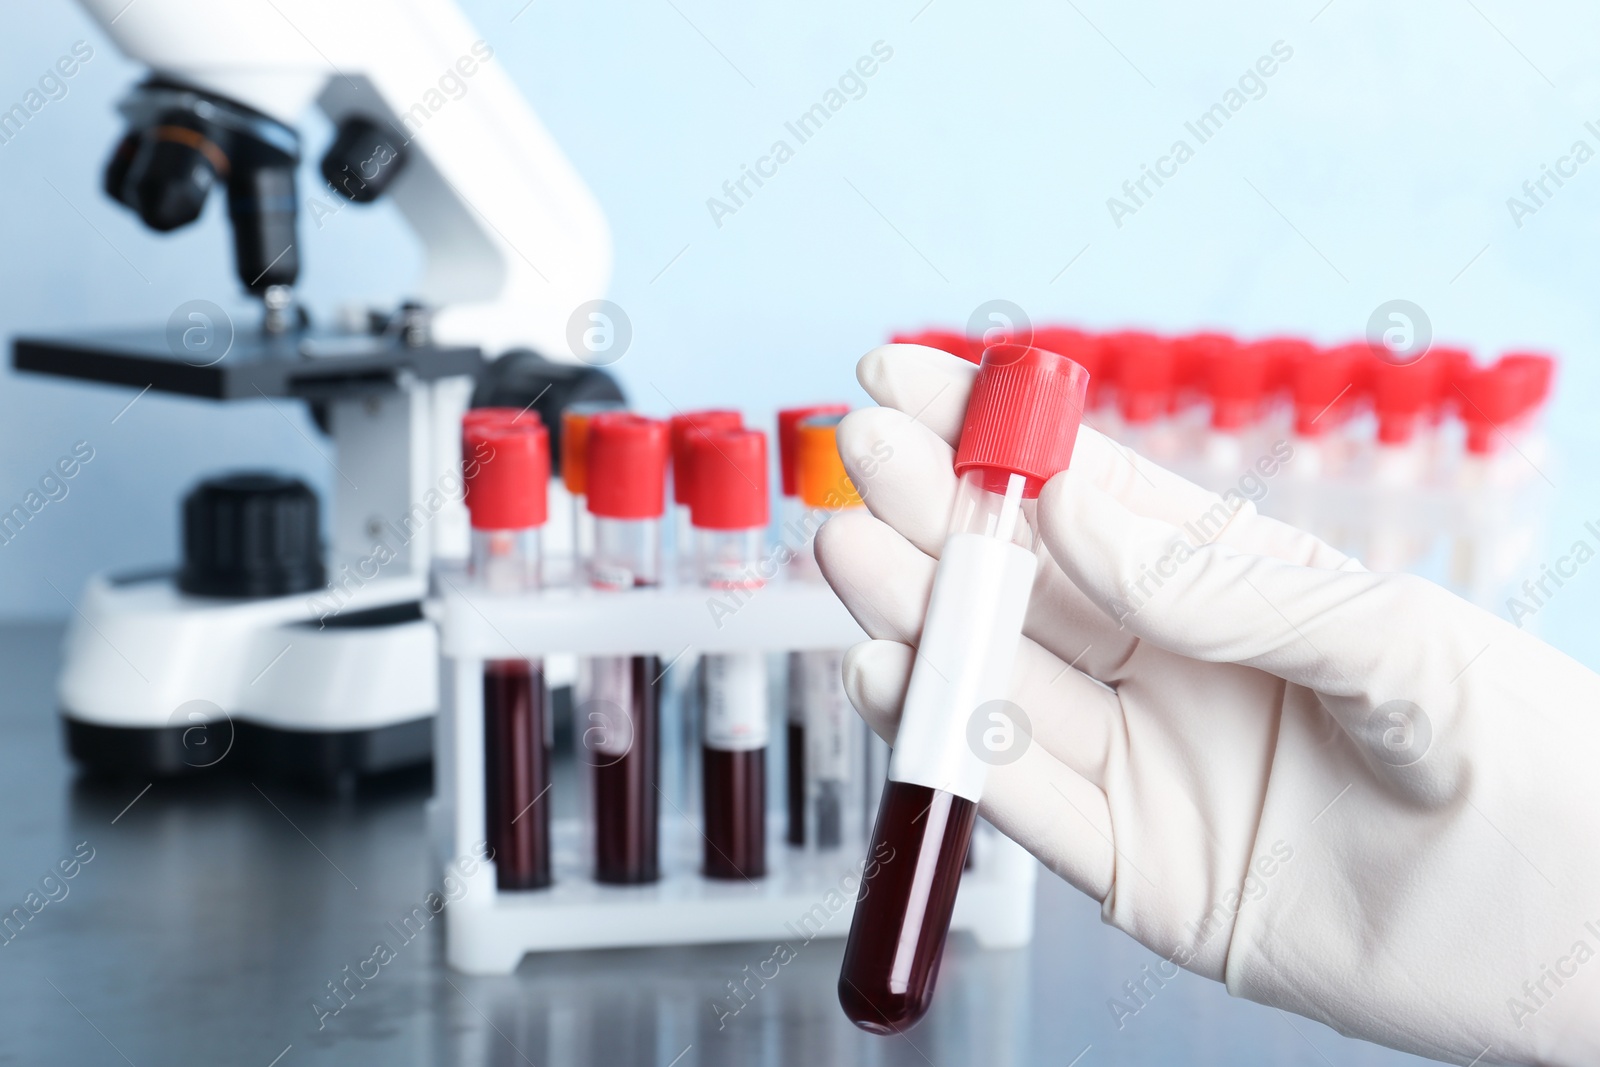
513 240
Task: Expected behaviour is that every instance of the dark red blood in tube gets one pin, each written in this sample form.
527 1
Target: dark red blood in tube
626 801
517 773
908 891
796 783
735 807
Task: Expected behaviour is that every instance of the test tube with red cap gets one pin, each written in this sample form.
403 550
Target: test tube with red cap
1194 357
618 699
729 513
1536 373
1145 388
1234 378
1019 429
794 522
506 468
684 429
1493 399
1403 393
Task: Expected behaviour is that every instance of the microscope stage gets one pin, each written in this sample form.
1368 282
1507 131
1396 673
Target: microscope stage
306 364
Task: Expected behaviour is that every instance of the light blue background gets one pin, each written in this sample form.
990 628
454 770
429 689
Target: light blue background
976 165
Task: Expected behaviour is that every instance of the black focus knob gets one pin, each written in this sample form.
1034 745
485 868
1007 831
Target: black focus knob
363 159
251 534
165 175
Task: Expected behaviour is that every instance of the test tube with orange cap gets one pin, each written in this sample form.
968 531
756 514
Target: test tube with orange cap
831 735
796 526
575 420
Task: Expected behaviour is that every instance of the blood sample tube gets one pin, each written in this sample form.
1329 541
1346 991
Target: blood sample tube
794 522
829 733
507 474
1235 379
575 421
1145 386
1402 396
619 714
1020 426
1193 357
1282 357
729 515
685 428
1492 398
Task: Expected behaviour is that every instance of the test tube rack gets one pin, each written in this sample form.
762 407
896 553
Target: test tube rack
805 894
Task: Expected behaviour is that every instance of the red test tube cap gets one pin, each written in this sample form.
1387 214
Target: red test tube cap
506 468
1321 381
1491 397
1145 371
1538 372
683 429
789 420
1236 383
729 480
1194 355
1022 417
1401 394
627 466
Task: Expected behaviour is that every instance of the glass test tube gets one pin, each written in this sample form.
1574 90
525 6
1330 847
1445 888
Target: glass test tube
507 472
1019 429
619 709
795 525
729 513
575 419
832 735
685 428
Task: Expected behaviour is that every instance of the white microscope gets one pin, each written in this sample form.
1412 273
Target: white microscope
268 648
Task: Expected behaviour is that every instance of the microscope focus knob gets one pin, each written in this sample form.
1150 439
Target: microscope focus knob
165 175
363 159
251 534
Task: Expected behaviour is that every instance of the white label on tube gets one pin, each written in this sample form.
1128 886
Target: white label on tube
969 639
736 701
829 717
608 710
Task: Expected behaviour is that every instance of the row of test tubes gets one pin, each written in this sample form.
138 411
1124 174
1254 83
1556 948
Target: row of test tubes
617 467
1418 460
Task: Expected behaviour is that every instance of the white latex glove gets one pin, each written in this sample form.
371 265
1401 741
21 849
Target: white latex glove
1225 770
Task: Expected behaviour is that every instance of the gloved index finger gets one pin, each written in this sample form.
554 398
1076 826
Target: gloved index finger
1146 488
929 385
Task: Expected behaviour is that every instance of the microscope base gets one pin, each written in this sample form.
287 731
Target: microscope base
316 756
159 683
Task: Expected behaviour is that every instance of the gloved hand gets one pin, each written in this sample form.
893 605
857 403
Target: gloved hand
1350 795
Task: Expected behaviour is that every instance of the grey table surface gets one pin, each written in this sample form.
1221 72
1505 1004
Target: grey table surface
212 914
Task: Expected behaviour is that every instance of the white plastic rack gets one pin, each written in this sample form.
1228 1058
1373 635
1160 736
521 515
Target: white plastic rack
804 894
